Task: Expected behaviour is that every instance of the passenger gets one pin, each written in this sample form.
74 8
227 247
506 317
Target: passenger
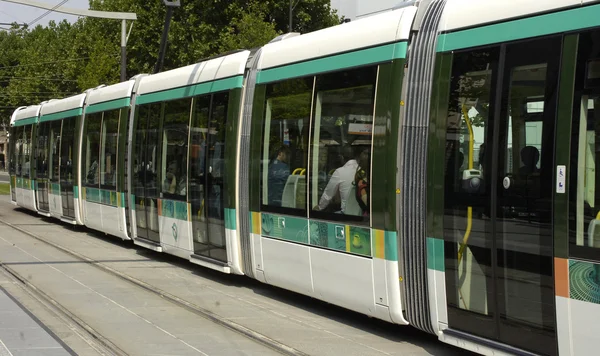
361 180
530 156
171 185
279 171
341 181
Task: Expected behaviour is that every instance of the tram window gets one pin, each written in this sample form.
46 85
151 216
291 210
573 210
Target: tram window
584 213
92 148
18 138
12 151
109 140
285 145
341 146
175 148
26 171
55 129
41 149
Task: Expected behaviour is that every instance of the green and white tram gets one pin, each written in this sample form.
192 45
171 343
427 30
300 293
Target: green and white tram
430 166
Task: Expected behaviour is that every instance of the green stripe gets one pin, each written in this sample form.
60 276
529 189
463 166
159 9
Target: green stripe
108 105
192 90
230 221
435 254
569 20
346 60
391 246
61 115
27 121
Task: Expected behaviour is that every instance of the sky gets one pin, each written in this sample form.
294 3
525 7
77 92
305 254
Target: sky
11 12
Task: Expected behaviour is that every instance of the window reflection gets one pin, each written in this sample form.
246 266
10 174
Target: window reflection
108 164
175 147
285 145
341 148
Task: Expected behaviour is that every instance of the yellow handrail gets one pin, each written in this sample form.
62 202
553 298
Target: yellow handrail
296 170
463 245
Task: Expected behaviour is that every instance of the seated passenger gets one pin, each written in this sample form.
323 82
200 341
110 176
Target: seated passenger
361 180
279 171
530 156
341 182
171 185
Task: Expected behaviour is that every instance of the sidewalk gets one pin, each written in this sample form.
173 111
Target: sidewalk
22 334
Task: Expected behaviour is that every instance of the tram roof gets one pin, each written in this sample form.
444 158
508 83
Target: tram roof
224 67
64 105
368 32
112 92
462 14
29 113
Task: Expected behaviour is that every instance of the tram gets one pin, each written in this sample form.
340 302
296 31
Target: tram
431 166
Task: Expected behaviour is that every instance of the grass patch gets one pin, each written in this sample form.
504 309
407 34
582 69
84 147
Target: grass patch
4 188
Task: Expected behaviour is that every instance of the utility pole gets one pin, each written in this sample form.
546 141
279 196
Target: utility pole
165 35
292 7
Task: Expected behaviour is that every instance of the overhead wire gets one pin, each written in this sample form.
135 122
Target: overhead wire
47 12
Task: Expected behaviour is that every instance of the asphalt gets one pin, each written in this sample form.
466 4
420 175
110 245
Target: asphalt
141 322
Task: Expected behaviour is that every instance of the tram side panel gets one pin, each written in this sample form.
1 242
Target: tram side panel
305 237
102 173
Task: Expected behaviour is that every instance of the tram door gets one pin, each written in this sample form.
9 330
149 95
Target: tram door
146 169
498 194
207 175
67 172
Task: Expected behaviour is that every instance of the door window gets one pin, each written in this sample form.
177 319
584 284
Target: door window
584 225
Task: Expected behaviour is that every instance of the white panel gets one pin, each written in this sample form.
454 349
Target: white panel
257 256
55 202
93 216
200 262
110 216
169 228
286 265
563 326
459 13
380 282
27 112
367 32
213 69
29 199
69 103
394 295
343 280
442 307
112 92
233 251
436 285
584 327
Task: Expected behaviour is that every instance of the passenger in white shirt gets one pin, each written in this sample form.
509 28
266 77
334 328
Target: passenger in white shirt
340 182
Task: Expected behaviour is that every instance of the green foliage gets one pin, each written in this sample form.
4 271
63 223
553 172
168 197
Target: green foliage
37 64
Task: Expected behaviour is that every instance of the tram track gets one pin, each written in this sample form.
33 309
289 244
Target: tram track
92 337
113 349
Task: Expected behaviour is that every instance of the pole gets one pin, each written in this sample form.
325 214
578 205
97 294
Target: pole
163 41
291 11
123 50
